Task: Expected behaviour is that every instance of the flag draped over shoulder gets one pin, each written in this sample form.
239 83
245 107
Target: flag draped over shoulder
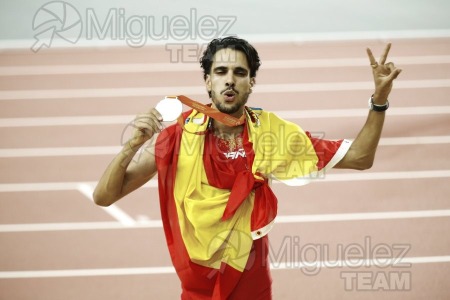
212 216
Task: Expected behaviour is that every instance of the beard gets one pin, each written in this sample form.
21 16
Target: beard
227 108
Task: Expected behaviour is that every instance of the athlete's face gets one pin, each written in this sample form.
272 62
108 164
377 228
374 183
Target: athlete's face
229 81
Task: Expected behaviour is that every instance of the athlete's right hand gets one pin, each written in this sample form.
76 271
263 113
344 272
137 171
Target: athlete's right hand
145 126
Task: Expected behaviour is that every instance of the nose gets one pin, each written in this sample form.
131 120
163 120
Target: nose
229 80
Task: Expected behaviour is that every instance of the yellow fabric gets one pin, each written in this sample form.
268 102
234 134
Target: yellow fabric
209 240
282 148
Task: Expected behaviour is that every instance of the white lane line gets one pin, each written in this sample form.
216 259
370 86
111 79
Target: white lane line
200 90
41 186
351 62
100 93
113 210
87 272
294 265
189 67
389 215
77 226
64 121
59 151
415 140
360 112
286 114
354 176
381 36
113 150
402 262
297 37
362 176
54 186
61 121
364 216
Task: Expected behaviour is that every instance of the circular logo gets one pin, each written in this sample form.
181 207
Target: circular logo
233 245
56 18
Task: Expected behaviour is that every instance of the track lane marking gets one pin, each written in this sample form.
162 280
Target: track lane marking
353 176
170 270
286 114
171 67
113 150
297 37
8 95
113 210
286 219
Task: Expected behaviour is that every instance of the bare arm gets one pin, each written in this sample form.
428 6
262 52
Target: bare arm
124 175
361 154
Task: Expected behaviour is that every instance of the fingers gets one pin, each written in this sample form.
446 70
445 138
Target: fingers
383 57
393 71
385 54
390 66
373 62
156 114
395 74
148 124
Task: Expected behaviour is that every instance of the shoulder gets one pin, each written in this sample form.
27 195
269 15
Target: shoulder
268 118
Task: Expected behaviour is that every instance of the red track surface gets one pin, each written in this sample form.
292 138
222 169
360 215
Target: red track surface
410 177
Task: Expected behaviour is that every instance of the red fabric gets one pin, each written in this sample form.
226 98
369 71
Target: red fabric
199 282
237 177
325 149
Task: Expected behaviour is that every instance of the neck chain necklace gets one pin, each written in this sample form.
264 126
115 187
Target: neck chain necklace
230 144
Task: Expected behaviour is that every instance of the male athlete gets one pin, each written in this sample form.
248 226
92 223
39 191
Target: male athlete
214 167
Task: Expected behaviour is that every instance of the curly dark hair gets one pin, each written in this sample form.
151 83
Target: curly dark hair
230 42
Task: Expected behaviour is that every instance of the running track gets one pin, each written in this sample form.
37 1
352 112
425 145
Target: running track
64 112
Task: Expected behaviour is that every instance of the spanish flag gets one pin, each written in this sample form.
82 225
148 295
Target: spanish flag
216 219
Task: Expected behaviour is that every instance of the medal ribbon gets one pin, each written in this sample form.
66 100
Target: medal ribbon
209 111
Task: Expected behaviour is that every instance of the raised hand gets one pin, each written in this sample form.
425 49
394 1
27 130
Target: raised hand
383 75
145 126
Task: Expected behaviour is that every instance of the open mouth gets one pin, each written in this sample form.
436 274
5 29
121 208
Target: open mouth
229 95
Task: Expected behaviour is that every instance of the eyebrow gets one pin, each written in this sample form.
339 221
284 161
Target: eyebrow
226 68
241 69
220 68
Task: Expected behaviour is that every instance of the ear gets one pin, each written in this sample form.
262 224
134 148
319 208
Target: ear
252 81
208 83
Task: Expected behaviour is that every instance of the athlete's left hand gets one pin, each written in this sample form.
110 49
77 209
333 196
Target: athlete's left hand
383 75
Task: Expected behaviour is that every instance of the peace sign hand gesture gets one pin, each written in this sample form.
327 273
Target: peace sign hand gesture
383 75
